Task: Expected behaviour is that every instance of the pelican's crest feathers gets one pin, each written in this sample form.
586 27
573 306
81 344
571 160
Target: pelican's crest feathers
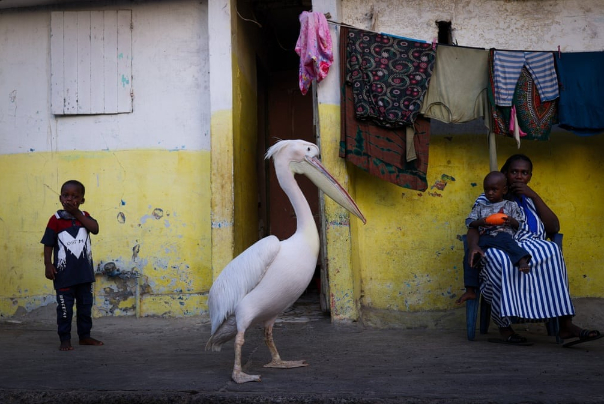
274 149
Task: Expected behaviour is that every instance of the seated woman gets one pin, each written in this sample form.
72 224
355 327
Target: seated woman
541 293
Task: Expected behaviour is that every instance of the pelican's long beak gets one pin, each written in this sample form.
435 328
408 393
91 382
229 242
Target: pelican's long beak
314 170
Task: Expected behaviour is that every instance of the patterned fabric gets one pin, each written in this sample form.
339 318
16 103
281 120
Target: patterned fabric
535 117
380 151
540 294
581 92
507 67
486 208
314 47
389 76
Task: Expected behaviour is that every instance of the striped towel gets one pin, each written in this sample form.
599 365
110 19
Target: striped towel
508 65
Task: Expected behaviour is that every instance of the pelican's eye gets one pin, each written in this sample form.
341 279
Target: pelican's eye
308 149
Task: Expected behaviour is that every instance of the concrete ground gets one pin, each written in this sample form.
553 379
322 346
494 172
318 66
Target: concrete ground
159 360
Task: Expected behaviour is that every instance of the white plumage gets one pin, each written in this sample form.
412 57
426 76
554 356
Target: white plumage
268 277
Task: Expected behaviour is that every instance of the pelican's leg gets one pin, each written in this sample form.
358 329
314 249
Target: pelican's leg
277 362
238 376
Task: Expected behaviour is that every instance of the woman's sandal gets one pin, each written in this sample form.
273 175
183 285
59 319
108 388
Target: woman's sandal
514 339
584 337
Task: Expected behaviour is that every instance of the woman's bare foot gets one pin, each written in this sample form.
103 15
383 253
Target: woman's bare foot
570 330
523 265
90 341
469 294
65 346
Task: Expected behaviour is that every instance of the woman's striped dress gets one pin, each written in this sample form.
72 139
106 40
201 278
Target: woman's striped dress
540 294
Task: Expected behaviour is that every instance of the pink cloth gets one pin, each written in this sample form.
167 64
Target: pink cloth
314 48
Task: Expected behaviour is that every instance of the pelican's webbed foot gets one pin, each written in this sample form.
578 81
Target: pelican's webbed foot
285 364
240 377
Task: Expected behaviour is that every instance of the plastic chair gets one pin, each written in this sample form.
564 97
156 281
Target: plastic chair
485 308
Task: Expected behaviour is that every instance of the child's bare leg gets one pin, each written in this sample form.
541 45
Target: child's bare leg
90 341
523 265
469 294
66 346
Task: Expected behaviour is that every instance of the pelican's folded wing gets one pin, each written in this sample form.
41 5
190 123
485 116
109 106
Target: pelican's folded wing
239 277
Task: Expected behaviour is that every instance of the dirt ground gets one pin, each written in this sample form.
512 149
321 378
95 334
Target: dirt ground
159 360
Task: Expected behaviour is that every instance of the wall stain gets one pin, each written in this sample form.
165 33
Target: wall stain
442 183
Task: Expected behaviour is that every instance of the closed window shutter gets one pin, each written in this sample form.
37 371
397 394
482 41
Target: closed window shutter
91 62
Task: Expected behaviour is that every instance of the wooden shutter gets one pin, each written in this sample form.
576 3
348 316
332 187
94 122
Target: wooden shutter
91 62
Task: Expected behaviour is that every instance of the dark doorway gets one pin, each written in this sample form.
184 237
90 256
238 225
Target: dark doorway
283 113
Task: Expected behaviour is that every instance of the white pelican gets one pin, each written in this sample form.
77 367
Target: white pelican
268 277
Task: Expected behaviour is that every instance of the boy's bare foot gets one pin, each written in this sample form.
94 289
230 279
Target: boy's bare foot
66 346
469 294
90 341
523 266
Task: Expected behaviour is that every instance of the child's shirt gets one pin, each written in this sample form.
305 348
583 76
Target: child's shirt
72 255
484 208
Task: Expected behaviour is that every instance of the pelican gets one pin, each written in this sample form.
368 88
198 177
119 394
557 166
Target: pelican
268 277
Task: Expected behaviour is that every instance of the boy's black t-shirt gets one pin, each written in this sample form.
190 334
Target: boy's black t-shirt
72 255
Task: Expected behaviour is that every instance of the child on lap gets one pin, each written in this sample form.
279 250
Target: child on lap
494 236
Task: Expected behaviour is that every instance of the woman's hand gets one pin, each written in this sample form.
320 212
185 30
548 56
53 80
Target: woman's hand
520 188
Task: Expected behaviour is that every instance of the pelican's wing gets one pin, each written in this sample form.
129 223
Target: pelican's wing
239 277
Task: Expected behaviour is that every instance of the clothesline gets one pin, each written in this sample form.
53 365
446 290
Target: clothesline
329 21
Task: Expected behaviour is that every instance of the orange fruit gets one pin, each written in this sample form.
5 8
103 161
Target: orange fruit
496 218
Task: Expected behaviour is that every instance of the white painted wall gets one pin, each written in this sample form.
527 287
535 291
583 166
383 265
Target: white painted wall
170 81
575 25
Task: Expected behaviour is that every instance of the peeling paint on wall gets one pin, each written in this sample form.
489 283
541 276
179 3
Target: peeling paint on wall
442 183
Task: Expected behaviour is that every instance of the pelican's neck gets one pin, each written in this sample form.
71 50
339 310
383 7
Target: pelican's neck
288 183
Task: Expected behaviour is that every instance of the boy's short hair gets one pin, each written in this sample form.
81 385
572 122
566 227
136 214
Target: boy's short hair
76 183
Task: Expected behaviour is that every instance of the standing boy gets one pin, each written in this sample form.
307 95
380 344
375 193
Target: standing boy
67 241
494 236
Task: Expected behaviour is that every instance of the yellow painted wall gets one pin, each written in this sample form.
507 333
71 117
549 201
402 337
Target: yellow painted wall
245 135
418 263
153 209
408 257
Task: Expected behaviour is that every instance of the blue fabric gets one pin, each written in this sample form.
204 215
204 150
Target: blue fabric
540 294
507 67
531 219
581 105
82 296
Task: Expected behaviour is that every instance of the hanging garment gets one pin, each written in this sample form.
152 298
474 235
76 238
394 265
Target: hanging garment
380 151
389 76
458 87
581 92
508 66
315 49
535 117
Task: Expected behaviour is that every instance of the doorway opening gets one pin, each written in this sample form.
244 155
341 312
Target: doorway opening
284 113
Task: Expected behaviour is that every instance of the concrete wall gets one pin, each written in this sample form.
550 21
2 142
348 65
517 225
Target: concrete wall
407 259
147 172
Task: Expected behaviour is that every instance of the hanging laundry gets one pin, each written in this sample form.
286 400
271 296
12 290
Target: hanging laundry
534 116
389 76
581 92
507 68
381 151
458 88
315 49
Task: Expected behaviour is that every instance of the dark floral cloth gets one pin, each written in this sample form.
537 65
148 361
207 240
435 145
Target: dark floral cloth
389 76
378 150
